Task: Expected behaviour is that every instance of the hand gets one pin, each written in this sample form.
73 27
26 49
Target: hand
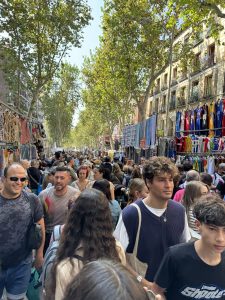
38 261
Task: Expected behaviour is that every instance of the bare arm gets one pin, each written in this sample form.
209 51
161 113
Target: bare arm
39 252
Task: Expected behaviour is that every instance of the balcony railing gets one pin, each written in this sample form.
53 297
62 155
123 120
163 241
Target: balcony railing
172 105
164 87
181 102
156 90
162 110
183 76
209 62
174 82
196 68
194 98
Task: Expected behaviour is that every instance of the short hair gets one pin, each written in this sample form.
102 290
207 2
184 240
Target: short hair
206 178
192 175
157 165
5 173
62 169
102 280
210 209
82 168
187 166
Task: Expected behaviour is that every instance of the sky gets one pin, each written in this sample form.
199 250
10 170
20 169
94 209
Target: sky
91 35
90 42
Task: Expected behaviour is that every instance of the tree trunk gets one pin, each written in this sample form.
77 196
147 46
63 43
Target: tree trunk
33 102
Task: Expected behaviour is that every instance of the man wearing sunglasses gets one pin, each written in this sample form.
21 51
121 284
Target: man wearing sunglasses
15 218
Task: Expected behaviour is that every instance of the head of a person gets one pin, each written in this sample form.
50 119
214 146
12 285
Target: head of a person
206 179
128 170
82 172
193 191
34 163
25 163
192 175
98 172
62 178
158 174
58 155
187 166
116 168
137 189
136 172
103 186
221 169
209 212
89 222
70 161
142 160
103 280
14 179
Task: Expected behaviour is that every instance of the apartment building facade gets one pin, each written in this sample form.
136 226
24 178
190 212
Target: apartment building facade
182 87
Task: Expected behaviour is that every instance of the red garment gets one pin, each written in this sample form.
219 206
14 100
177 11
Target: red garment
223 120
25 133
186 122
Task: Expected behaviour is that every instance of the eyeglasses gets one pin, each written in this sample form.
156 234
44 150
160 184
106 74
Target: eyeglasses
15 179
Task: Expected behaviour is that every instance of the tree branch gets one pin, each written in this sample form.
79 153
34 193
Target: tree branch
214 7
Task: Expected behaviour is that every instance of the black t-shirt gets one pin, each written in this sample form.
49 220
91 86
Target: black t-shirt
185 276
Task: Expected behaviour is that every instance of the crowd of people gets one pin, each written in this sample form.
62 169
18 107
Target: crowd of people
112 229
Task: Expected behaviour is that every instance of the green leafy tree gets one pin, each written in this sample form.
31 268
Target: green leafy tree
36 35
60 103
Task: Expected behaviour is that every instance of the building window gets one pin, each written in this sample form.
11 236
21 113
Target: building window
196 67
165 79
150 108
208 86
157 105
181 99
194 91
172 100
175 73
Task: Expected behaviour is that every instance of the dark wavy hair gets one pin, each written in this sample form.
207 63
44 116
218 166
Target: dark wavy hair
89 222
103 186
103 280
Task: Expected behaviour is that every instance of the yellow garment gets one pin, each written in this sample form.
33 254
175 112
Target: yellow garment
188 144
211 109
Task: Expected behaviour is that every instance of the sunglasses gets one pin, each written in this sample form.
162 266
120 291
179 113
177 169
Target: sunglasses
15 179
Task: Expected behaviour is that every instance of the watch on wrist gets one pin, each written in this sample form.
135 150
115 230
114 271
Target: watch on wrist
139 278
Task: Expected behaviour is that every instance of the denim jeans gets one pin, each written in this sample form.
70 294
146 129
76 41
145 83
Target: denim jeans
16 279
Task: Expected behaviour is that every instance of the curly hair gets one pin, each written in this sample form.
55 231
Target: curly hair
157 165
89 222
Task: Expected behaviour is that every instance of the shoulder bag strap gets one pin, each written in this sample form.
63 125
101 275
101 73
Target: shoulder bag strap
139 228
28 172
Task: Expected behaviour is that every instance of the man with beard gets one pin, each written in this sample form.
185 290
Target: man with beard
55 201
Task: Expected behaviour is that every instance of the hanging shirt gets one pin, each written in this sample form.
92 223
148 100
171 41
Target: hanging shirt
186 123
192 121
211 119
198 112
205 120
178 123
211 165
218 118
223 120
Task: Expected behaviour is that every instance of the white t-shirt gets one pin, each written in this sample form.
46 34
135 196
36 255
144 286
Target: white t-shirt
121 235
